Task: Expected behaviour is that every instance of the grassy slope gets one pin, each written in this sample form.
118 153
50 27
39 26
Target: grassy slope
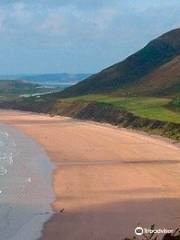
175 104
153 71
152 115
165 81
123 112
146 107
132 70
16 87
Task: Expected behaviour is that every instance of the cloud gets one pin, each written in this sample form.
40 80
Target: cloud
69 21
95 33
13 17
62 17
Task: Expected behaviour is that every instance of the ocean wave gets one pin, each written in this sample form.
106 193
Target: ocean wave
7 150
3 171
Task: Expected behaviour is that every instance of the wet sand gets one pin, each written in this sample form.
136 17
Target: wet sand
107 180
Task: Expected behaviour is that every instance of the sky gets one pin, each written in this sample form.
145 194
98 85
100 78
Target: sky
78 36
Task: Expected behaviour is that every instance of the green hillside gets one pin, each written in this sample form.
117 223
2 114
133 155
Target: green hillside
136 70
142 92
146 107
165 81
16 87
13 89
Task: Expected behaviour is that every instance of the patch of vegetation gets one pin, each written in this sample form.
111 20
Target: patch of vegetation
175 104
39 103
146 107
105 112
147 114
10 88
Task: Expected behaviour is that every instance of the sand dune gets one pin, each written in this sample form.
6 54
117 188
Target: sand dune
107 179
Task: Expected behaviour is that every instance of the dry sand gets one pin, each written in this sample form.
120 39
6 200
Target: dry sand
107 179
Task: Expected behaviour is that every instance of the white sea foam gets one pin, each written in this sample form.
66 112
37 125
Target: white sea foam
29 180
3 171
6 134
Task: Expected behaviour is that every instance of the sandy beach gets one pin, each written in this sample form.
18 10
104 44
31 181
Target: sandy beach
107 180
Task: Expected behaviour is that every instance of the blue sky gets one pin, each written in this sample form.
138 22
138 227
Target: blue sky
44 36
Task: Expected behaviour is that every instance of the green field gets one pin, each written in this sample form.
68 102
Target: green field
147 107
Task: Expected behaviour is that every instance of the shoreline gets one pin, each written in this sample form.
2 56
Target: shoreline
90 209
26 164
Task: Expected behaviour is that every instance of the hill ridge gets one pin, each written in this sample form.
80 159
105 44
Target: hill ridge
129 71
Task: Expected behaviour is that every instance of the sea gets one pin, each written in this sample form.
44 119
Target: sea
25 186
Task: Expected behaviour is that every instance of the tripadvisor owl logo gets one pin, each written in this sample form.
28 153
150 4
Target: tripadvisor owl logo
139 231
